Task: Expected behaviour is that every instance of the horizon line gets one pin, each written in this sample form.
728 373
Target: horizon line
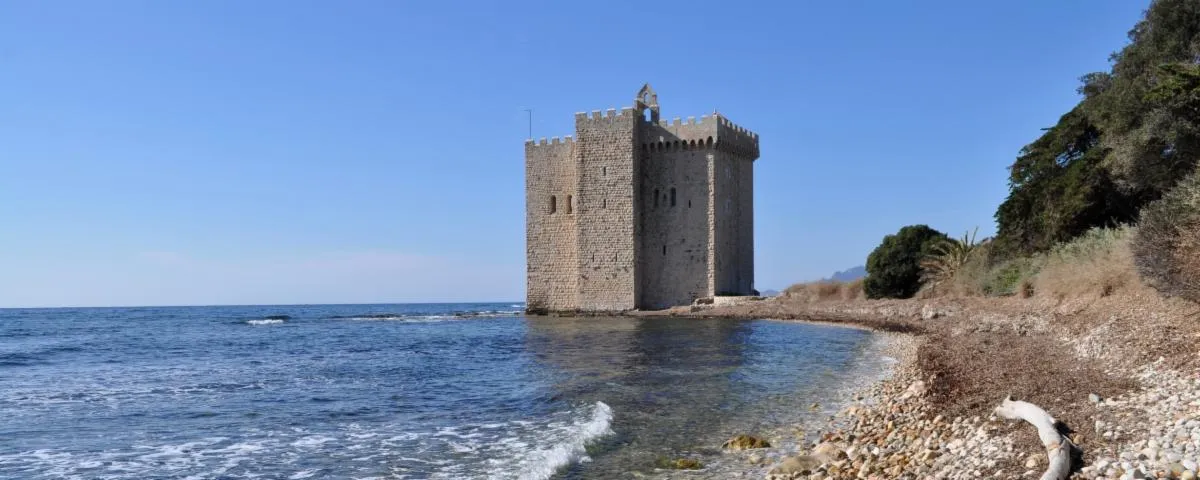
258 305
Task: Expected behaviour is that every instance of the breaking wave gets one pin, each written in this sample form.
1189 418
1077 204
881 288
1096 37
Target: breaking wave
571 446
523 449
265 321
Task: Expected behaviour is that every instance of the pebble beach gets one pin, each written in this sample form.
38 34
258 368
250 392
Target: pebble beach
1131 415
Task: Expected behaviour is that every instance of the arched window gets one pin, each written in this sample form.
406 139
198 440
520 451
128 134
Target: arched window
553 204
570 204
672 196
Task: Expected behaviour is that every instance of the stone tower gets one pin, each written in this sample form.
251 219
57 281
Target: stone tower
635 212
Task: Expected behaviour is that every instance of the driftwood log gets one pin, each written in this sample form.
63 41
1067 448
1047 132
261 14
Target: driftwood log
1058 446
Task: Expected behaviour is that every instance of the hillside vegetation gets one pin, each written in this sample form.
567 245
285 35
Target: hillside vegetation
1106 199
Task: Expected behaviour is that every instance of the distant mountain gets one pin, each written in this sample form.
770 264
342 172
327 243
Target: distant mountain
769 293
850 274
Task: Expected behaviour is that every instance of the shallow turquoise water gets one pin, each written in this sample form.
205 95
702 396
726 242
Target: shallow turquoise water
394 391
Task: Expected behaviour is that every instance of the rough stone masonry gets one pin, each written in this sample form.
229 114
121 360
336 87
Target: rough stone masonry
635 212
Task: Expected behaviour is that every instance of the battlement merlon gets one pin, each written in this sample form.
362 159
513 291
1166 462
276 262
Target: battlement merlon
607 116
738 138
726 134
553 142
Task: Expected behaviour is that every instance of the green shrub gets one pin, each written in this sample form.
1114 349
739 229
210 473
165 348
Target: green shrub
894 267
1011 277
1166 247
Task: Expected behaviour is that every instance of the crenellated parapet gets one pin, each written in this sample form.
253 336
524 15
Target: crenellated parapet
553 141
553 151
607 116
679 134
709 131
737 139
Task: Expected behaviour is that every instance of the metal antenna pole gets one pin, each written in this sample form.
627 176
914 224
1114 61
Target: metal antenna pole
530 112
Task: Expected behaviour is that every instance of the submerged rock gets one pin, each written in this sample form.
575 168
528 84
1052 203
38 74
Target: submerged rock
828 452
680 464
796 464
745 442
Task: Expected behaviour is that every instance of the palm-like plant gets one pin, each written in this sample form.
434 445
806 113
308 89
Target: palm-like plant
947 258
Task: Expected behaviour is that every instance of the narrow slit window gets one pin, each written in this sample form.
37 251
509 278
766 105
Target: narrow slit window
604 171
604 203
664 249
655 198
553 204
570 204
672 196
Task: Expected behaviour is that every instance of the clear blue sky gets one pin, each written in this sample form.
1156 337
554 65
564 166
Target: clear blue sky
237 152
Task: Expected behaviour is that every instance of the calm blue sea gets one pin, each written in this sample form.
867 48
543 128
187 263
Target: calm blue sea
397 391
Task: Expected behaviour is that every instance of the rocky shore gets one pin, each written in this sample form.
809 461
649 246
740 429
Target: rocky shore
1122 376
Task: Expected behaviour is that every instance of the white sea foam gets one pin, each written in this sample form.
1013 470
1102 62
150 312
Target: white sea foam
265 321
569 447
527 449
312 441
303 474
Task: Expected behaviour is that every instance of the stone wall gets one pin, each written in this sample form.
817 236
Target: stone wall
550 236
674 237
607 169
675 234
733 225
725 215
745 189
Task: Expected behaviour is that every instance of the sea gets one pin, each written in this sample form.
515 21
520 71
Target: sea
407 391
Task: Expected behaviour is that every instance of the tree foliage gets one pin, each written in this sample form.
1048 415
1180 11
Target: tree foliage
1150 143
1134 136
894 267
1059 189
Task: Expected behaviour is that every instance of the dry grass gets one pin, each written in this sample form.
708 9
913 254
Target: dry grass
974 370
812 292
1097 264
